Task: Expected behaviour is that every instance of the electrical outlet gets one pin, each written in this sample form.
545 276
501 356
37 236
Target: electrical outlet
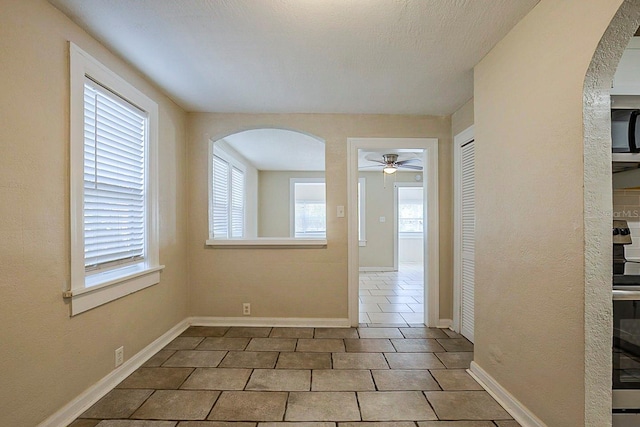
246 309
119 356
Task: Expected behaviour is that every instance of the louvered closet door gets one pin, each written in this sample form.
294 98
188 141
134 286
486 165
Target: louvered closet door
468 216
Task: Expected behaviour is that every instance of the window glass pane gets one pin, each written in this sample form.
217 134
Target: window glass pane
410 210
114 179
310 209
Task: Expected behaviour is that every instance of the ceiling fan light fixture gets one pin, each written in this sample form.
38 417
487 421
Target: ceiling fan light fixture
390 169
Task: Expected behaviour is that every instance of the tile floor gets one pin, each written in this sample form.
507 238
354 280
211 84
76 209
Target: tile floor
298 377
394 297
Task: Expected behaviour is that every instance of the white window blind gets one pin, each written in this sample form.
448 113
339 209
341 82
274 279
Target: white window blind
237 203
114 179
228 200
220 198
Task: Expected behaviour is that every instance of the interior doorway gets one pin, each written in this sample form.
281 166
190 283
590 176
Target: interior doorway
388 294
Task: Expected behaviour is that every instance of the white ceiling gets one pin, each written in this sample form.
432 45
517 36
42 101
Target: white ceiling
305 56
279 149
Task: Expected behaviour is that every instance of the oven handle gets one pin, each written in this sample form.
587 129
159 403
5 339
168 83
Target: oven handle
620 295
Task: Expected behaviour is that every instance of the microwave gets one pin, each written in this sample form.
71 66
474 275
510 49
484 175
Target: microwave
625 132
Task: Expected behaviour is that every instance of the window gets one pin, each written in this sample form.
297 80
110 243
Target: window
410 210
227 199
308 208
113 186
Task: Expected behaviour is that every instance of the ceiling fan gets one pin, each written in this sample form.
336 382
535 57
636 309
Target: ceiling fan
390 162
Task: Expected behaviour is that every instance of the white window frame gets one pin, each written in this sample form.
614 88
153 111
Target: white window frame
220 152
362 216
91 289
292 205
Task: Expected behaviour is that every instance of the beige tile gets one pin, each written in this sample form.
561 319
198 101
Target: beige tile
135 423
84 423
359 361
205 331
215 343
217 379
184 343
249 406
378 424
304 361
461 360
404 380
272 344
291 333
419 345
118 403
214 424
280 380
341 380
423 333
322 406
177 405
320 345
379 332
394 406
248 332
301 424
456 344
158 359
395 308
394 319
369 345
413 361
465 405
249 359
156 378
455 379
195 359
336 333
451 334
507 423
456 424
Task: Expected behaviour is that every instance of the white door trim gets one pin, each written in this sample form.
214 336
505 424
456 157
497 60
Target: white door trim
459 140
432 236
396 185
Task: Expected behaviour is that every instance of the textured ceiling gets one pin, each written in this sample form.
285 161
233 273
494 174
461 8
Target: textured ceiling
306 56
279 149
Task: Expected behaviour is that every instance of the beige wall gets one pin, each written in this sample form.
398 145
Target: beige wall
530 237
274 201
309 283
463 118
46 357
379 202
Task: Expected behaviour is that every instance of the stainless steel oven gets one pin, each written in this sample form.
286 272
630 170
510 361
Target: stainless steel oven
626 357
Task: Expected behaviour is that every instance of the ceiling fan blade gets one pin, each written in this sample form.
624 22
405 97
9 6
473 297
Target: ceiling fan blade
369 167
418 168
404 162
374 157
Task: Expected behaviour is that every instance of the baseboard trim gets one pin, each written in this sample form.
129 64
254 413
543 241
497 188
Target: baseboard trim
513 406
445 323
270 322
77 406
376 269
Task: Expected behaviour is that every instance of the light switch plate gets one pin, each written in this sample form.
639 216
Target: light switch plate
383 219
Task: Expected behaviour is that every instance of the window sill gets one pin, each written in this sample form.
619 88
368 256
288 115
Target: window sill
104 287
267 242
